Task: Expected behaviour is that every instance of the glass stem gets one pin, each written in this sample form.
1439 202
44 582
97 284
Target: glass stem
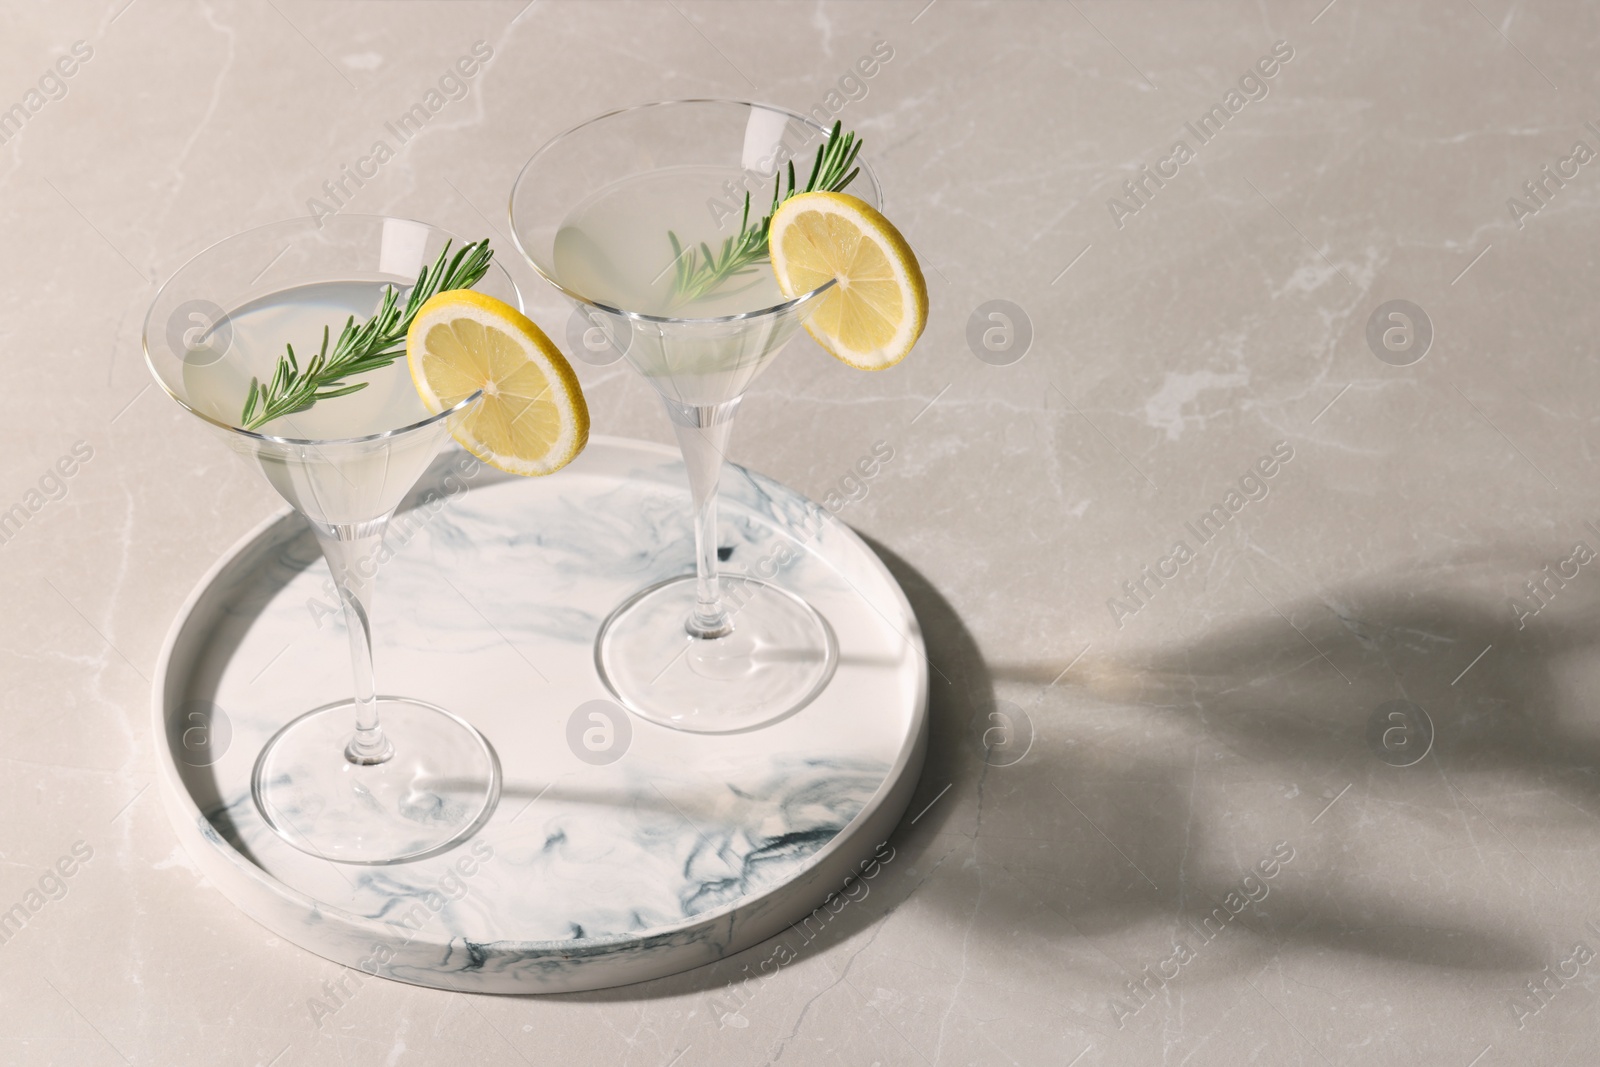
352 551
703 437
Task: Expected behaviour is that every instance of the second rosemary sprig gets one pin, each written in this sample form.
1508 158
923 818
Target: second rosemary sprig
698 271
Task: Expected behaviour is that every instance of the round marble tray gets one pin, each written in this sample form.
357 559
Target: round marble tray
627 854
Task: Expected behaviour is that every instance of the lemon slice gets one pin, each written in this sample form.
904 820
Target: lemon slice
876 310
532 418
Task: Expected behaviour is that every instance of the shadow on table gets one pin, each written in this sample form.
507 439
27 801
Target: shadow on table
1279 704
1284 706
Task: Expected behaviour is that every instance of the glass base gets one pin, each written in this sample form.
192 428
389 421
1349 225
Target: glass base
780 655
439 787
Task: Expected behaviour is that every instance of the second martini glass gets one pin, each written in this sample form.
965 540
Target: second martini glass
607 212
376 779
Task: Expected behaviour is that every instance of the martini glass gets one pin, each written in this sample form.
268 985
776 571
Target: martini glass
592 210
373 779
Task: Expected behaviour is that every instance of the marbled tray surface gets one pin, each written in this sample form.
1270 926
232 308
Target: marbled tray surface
683 848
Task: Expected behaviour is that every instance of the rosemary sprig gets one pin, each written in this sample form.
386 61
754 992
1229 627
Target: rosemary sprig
376 343
698 271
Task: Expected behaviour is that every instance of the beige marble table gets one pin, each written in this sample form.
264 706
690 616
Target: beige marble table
1202 832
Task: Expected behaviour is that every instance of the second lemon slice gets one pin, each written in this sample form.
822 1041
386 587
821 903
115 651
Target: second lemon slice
532 418
879 303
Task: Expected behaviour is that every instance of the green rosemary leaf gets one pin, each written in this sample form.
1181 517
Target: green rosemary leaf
344 390
848 160
677 261
811 182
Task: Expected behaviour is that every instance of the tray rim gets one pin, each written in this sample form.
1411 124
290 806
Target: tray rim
187 816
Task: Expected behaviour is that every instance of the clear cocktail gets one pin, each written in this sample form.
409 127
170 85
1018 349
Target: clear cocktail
628 215
373 779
